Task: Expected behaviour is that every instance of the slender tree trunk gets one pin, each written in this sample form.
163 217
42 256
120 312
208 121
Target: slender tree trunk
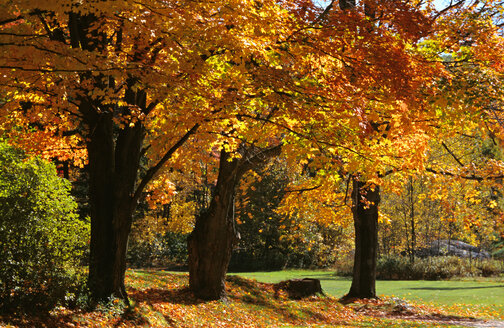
412 222
365 212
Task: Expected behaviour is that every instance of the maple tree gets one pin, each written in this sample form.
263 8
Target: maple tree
107 83
214 236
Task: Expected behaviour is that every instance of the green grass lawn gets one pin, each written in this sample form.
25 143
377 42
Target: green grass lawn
487 293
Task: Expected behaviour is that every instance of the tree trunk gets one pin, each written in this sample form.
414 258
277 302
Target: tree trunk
113 165
211 243
365 213
412 222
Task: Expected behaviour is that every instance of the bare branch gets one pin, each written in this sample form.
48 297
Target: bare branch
325 12
449 7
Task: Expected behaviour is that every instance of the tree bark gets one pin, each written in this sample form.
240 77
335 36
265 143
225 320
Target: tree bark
211 243
365 200
114 160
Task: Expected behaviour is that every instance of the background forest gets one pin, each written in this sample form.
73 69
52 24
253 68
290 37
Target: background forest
418 212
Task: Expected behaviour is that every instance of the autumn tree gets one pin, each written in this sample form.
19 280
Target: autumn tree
108 83
397 70
211 243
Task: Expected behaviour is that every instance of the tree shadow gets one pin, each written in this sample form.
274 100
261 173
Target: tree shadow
327 276
255 292
180 295
152 296
264 295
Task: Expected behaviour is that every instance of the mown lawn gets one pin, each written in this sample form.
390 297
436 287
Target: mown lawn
162 299
480 297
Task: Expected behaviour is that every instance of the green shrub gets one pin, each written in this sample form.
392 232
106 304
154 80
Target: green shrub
393 267
41 238
435 268
443 267
491 268
344 266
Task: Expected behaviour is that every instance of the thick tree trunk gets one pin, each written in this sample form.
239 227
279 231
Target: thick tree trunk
101 198
214 235
113 165
365 212
211 243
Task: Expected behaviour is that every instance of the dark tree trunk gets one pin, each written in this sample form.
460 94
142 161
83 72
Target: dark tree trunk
211 243
113 165
365 200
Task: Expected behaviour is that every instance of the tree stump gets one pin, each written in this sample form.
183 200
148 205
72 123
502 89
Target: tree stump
299 288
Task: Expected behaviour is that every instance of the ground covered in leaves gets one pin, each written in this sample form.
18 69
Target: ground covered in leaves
162 299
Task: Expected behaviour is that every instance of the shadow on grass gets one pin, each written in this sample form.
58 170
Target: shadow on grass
131 317
263 295
327 276
159 295
455 288
152 296
255 295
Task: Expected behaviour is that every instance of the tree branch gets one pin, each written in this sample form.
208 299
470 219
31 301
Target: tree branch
449 7
325 12
466 177
10 20
300 191
452 154
155 169
260 156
